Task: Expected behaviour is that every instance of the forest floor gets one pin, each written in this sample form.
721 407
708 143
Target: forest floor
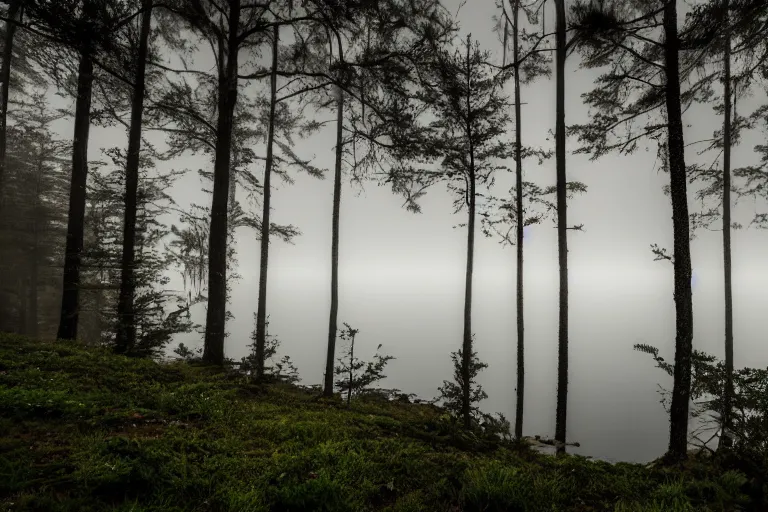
84 430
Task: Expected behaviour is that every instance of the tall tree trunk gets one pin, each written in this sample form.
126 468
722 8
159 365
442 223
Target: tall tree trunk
520 226
126 327
34 269
22 282
678 438
351 369
213 352
725 439
466 371
14 10
333 317
466 351
33 309
562 231
261 311
70 297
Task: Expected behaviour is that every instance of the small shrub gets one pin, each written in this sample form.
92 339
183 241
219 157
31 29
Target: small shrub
356 376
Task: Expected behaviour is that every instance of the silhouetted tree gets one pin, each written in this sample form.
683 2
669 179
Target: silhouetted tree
527 64
639 42
562 226
83 29
261 310
715 27
126 331
466 97
454 394
13 13
159 313
32 228
356 375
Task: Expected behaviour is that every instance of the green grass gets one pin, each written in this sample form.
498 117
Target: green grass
84 430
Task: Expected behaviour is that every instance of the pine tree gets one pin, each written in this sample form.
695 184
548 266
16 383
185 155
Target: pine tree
562 226
82 29
126 332
639 41
715 27
158 313
32 229
527 64
356 375
13 14
466 98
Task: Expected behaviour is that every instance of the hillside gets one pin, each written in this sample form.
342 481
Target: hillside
84 430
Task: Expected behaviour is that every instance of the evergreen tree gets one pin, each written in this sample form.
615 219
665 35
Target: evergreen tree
82 29
356 375
562 227
466 98
454 394
158 313
126 331
640 44
32 228
715 28
13 14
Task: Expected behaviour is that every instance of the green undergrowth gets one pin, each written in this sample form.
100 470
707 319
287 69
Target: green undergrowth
84 430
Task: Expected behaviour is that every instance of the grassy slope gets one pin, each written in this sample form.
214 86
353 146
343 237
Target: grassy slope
85 430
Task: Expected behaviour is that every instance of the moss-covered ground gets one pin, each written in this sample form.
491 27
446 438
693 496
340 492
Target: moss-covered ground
84 430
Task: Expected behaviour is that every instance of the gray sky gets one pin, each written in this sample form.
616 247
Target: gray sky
401 278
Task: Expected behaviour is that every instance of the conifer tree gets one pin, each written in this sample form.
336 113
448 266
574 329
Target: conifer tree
640 44
13 14
715 27
32 229
126 328
465 95
82 30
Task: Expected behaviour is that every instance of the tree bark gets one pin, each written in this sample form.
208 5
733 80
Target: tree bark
14 10
333 317
562 233
126 330
70 304
678 439
519 406
261 310
33 313
725 440
351 369
22 282
466 372
213 352
34 260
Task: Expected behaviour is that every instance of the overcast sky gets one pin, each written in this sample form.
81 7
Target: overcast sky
402 278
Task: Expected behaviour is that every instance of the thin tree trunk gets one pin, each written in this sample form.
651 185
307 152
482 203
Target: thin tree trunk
34 264
213 352
126 330
678 438
23 320
261 310
466 406
725 440
520 226
32 323
70 299
5 75
333 317
351 374
562 233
